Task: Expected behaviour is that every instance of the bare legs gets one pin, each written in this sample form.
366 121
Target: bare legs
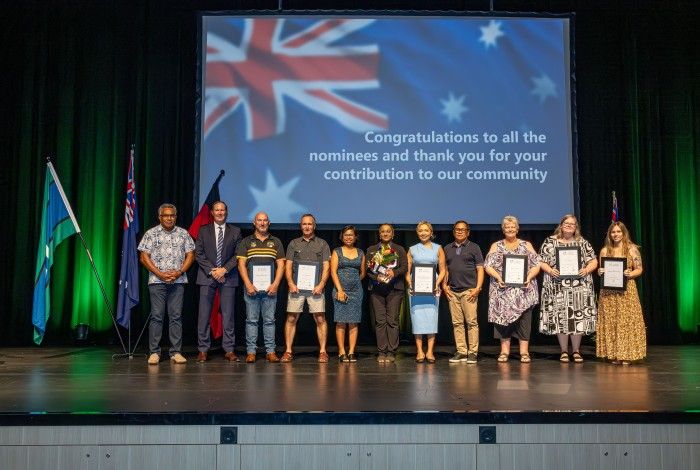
524 346
419 347
290 329
340 329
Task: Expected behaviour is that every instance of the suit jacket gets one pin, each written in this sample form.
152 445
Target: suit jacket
399 271
205 253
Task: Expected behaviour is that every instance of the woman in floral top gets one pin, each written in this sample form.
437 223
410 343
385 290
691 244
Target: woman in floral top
510 308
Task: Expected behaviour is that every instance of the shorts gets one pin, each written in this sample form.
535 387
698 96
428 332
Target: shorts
295 303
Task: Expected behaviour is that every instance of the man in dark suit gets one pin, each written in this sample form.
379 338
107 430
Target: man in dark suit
215 251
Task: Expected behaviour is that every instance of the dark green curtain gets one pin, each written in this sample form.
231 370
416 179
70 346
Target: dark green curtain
82 81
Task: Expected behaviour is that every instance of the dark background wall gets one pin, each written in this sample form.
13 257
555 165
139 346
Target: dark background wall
82 81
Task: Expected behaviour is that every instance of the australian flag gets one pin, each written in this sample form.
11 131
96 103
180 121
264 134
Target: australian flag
129 271
277 90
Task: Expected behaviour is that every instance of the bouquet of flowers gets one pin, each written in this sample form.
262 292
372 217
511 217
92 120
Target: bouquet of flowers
384 259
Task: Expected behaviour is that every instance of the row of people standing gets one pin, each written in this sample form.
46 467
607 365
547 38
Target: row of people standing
568 304
568 310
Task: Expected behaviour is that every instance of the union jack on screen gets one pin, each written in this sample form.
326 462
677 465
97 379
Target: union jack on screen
279 90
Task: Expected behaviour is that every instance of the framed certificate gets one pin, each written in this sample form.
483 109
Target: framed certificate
308 275
261 274
568 262
514 270
423 279
614 273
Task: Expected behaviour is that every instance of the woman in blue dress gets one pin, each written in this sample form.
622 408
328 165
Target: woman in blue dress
424 307
347 271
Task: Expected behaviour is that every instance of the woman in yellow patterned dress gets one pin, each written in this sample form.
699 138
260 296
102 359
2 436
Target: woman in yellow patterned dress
621 333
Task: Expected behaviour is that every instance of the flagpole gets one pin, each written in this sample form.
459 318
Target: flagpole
87 250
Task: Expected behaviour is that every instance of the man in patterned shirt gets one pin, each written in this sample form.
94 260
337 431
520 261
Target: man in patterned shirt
167 252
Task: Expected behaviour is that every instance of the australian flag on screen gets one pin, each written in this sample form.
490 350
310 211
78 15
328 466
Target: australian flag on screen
277 90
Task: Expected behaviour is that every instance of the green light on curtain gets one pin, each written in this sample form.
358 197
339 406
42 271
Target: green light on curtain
687 239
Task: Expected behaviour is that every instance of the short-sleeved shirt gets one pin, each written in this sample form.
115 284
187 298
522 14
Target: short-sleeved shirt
313 249
251 248
167 250
462 261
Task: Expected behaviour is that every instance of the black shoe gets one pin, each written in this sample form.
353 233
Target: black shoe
352 357
343 358
471 358
458 357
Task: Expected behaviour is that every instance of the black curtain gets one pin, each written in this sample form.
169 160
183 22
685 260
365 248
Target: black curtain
82 81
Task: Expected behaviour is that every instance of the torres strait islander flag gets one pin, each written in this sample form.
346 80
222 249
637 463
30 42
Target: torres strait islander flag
57 223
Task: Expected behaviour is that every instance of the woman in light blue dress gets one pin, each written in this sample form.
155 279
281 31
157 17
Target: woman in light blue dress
424 307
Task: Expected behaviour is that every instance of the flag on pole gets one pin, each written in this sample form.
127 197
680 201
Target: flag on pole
129 273
57 223
615 215
203 218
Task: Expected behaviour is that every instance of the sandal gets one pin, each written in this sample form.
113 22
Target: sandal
503 357
577 357
565 357
525 358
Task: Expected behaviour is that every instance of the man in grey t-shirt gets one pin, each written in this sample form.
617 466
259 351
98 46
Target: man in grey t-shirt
309 252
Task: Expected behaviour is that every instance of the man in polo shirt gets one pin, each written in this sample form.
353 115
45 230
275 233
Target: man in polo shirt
465 276
307 248
260 249
167 252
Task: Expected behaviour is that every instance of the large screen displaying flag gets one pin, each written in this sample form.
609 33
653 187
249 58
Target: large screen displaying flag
388 119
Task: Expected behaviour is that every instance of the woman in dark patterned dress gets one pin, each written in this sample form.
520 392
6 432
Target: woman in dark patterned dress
567 307
510 308
347 272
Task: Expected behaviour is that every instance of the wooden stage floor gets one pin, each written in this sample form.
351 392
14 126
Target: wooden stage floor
38 383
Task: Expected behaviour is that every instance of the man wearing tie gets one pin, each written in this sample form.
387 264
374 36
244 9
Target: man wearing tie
215 253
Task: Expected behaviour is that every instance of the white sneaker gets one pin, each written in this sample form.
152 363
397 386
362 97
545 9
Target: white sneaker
178 358
153 359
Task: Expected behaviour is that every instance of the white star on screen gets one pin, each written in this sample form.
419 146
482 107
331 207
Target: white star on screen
275 200
544 87
490 33
453 108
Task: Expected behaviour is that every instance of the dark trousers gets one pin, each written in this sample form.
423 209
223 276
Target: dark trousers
227 296
386 304
162 296
519 329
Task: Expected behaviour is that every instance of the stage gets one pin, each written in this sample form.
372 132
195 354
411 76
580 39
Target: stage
78 408
60 385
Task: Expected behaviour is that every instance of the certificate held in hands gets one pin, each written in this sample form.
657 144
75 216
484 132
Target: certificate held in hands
261 275
568 262
614 273
423 279
308 275
514 270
